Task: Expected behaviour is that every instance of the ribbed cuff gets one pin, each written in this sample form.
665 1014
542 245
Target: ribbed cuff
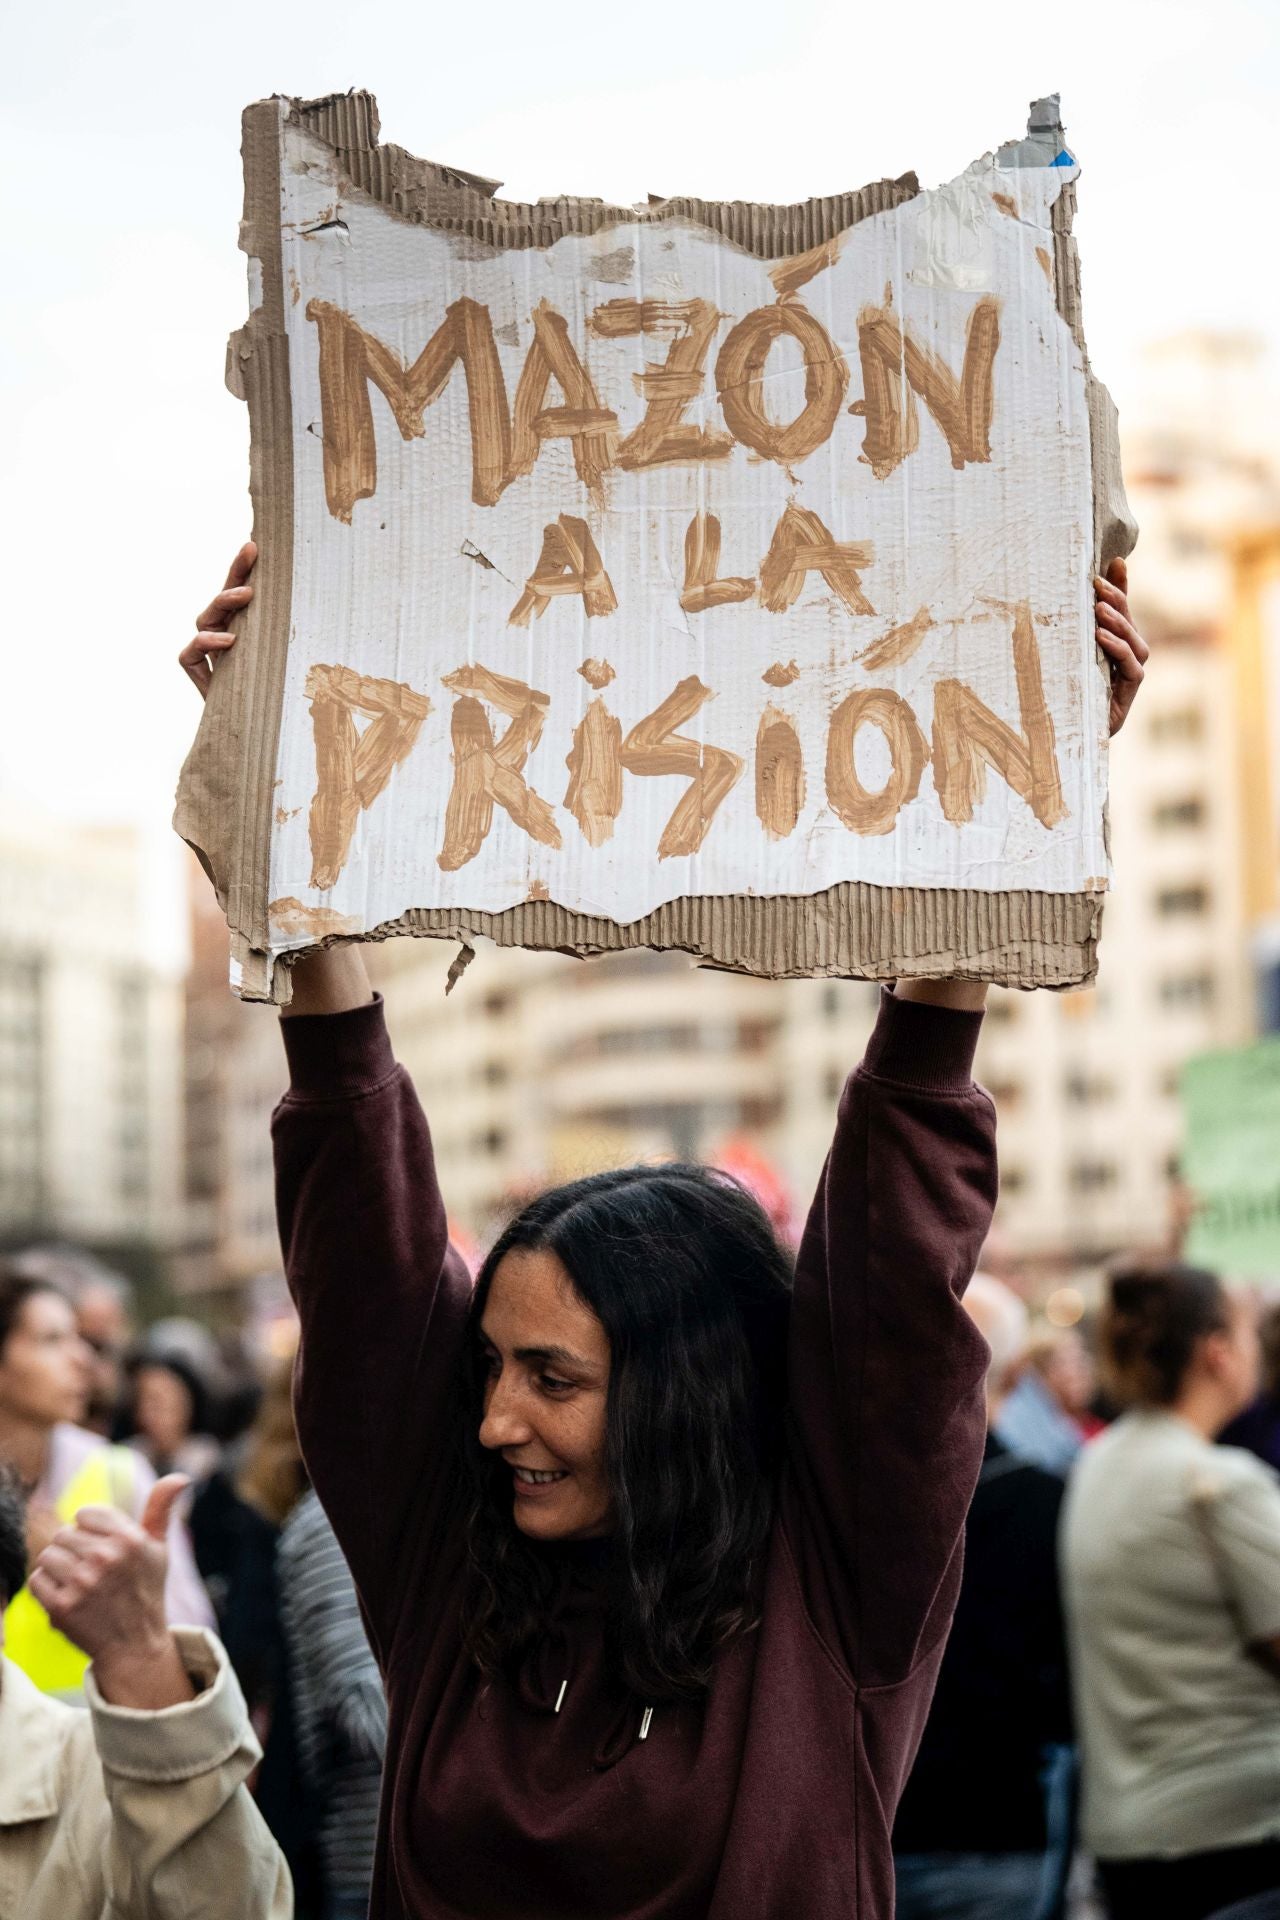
334 1055
919 1045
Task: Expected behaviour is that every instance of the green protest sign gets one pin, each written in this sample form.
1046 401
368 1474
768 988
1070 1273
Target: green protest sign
1232 1158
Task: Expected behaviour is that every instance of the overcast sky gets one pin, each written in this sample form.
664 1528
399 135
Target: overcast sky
123 460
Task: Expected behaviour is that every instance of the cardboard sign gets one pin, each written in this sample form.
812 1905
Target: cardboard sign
1231 1161
701 576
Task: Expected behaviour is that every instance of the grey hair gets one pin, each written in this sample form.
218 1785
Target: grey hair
1003 1321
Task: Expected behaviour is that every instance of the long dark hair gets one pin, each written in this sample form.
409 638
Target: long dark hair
683 1270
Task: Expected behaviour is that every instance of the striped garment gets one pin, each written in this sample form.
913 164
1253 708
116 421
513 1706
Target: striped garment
339 1706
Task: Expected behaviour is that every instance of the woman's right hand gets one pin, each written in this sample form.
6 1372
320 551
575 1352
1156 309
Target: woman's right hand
212 634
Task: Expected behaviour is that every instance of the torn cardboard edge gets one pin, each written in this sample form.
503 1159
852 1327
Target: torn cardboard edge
851 932
224 804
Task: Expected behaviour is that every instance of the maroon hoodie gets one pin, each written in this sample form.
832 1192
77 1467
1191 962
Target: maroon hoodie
773 1798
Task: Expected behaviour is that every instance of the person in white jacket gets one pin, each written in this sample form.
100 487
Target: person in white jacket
137 1809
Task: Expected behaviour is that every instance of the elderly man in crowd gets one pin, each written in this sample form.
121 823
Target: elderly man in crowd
137 1809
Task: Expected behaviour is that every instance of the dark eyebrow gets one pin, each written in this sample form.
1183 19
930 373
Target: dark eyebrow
561 1355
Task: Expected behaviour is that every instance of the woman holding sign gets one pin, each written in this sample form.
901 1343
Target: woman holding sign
658 1543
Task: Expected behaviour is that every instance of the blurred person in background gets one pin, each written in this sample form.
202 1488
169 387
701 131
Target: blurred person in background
103 1302
1171 1564
237 1392
972 1840
167 1415
1061 1358
236 1523
339 1708
137 1809
62 1466
1034 1422
1258 1427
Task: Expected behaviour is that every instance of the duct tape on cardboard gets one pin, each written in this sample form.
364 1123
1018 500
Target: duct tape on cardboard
708 576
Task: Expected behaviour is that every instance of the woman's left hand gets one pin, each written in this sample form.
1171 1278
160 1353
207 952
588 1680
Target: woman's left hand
1119 639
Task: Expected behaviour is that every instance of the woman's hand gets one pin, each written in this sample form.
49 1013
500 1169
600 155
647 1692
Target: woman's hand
101 1582
1119 639
212 633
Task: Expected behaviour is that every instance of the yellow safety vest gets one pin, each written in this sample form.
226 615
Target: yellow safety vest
54 1663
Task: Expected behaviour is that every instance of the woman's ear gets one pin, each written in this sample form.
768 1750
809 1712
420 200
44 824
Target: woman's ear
1216 1353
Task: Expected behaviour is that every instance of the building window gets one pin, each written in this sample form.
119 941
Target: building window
1187 990
1170 815
833 1083
1001 1008
1177 723
494 1073
1175 901
1013 1179
616 1040
830 1002
1007 1094
1086 1089
1091 1176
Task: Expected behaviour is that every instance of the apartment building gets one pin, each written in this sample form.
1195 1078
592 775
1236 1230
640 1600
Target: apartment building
539 1067
1254 637
90 1046
1087 1084
234 1073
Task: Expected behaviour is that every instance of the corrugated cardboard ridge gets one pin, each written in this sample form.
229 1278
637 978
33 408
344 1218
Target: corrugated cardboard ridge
225 797
443 197
850 932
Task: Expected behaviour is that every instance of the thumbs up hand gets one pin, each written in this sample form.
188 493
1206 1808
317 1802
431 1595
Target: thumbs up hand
101 1581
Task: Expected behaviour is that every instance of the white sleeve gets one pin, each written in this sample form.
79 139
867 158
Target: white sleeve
185 1836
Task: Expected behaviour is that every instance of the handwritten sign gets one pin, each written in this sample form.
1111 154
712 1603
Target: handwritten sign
703 576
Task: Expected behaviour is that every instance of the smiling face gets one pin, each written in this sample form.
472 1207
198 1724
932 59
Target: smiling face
544 1398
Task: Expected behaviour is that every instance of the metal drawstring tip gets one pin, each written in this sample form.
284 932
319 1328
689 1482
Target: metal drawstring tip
564 1688
644 1724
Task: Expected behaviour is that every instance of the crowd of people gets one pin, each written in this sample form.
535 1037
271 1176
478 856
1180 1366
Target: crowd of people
1111 1681
1111 1684
170 1422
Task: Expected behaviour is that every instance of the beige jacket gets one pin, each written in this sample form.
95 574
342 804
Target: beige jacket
116 1814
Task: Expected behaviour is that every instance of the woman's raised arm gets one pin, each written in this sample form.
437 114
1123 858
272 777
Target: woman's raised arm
886 1368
